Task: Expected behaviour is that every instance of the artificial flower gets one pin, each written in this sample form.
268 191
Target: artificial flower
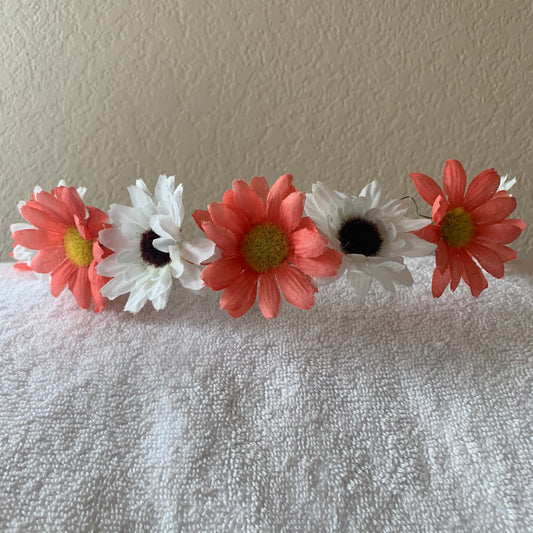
65 232
372 235
264 239
148 247
21 254
469 228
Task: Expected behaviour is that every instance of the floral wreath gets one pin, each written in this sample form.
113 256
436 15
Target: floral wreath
262 243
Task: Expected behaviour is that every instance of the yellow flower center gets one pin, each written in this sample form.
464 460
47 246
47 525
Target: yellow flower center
457 228
77 249
265 247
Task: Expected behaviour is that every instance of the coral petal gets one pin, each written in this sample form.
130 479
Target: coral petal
62 276
35 215
247 201
36 239
440 208
495 210
81 288
430 233
456 268
440 282
307 243
482 188
200 216
222 273
503 232
228 217
291 211
48 259
472 274
49 203
269 295
487 258
71 199
505 253
454 182
279 191
441 257
240 295
427 188
296 286
325 265
260 186
222 237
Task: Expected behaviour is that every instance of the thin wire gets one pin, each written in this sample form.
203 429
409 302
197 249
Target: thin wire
416 206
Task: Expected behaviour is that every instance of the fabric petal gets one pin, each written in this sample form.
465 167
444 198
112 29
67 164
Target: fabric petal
197 250
222 237
191 277
323 266
260 186
441 257
81 288
248 201
228 217
42 219
456 268
296 286
487 258
482 188
307 243
440 282
240 295
71 199
360 281
430 233
291 211
37 239
473 275
48 259
269 295
495 210
222 273
454 182
503 232
427 188
279 191
61 277
200 216
440 208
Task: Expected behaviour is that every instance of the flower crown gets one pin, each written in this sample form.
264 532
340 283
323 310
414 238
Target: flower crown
264 242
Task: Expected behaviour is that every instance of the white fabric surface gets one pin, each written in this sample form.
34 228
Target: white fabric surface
404 413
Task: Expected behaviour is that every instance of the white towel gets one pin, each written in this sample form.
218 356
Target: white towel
404 413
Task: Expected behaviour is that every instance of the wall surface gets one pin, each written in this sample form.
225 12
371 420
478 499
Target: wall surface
100 93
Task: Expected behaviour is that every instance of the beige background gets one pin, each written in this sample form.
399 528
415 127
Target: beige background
100 93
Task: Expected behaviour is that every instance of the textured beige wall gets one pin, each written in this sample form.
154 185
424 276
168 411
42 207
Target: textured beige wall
100 93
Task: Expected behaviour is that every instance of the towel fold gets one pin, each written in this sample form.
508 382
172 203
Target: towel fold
402 413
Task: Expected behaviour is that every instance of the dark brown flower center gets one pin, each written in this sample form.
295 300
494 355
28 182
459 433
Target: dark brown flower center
359 236
149 253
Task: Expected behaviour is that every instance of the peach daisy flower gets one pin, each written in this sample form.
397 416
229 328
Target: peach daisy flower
469 228
65 233
262 237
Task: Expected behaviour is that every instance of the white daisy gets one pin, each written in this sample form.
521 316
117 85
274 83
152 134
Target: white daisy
372 235
149 250
22 255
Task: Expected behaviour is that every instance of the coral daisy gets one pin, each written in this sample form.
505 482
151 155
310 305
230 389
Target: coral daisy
468 226
264 238
149 249
65 232
373 235
21 254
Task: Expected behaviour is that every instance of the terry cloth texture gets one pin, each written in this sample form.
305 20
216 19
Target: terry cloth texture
404 413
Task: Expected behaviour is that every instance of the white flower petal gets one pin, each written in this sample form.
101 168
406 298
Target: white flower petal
110 267
373 192
177 268
161 301
115 287
197 250
114 239
416 247
360 281
19 226
191 277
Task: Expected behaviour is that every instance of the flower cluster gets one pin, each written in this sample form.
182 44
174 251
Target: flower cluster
265 243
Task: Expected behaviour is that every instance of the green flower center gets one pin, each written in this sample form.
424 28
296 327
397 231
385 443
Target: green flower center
457 228
265 247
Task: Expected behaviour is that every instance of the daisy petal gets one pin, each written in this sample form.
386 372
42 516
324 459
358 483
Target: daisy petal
248 201
360 281
191 277
456 268
503 232
487 258
48 259
279 191
36 239
81 288
222 237
222 273
200 216
240 295
269 296
260 186
307 243
296 286
41 219
291 210
61 277
427 188
325 265
482 188
430 233
440 208
197 250
505 253
473 275
495 210
71 199
441 257
440 282
227 217
454 182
